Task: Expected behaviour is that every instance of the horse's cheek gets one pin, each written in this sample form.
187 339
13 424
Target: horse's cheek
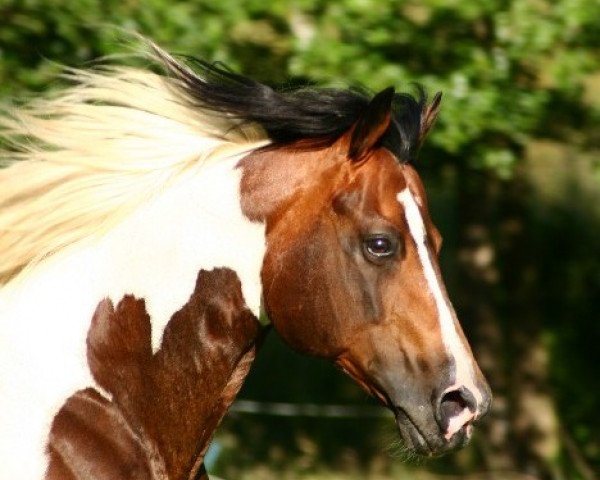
298 297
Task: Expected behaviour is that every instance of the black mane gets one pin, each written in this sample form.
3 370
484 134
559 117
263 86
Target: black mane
319 114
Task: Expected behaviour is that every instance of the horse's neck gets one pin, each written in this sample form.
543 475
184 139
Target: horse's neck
197 224
273 177
140 426
157 252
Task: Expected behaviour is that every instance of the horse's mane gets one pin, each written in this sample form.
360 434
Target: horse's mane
320 114
81 160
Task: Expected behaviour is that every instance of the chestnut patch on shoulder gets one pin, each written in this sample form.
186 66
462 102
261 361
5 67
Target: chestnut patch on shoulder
166 405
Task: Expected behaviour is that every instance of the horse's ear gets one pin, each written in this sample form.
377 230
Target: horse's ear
428 116
372 124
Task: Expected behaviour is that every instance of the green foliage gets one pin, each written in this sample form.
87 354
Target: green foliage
501 64
510 71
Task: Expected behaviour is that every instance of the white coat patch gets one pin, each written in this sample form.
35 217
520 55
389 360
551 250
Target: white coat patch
154 254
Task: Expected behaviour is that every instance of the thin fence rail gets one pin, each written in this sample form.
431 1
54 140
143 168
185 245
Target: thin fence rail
281 409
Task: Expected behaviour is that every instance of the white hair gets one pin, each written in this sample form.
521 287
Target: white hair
81 160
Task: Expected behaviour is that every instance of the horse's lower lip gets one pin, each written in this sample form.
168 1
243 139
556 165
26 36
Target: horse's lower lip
412 436
428 445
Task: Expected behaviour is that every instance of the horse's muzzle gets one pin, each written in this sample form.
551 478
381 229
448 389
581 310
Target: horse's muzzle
424 433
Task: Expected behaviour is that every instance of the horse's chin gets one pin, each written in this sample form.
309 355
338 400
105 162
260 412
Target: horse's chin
420 441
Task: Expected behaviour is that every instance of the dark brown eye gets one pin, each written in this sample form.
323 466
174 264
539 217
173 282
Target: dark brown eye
378 247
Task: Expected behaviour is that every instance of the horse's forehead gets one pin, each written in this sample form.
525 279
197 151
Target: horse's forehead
384 177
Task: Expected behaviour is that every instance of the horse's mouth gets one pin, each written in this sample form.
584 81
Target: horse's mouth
413 438
417 437
421 443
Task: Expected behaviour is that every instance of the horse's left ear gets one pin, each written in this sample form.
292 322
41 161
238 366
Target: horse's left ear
372 124
428 116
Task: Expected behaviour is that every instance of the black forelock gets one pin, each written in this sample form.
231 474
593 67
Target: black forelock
320 115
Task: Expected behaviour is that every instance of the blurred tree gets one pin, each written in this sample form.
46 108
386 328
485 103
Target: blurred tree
506 66
525 268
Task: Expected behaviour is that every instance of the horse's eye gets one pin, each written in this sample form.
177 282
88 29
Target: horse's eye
379 247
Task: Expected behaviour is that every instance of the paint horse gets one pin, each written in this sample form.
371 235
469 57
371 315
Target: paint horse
131 185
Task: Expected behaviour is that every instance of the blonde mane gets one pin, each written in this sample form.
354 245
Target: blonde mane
82 160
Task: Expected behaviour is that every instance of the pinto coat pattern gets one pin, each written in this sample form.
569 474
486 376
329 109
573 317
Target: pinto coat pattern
157 412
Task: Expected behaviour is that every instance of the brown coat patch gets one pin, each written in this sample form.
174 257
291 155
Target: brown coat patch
165 406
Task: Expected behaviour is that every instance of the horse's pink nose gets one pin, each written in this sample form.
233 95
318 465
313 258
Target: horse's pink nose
456 408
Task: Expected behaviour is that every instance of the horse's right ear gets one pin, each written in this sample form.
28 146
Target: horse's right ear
371 125
428 116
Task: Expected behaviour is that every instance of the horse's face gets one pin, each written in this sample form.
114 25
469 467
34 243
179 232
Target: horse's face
359 283
351 274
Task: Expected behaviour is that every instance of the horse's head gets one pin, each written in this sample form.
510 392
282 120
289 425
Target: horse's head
351 270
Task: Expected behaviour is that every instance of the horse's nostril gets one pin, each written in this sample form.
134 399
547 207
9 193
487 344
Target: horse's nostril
452 404
455 410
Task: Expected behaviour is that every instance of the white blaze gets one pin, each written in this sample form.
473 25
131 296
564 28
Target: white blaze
452 341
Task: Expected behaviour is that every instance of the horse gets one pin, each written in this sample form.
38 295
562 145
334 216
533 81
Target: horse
128 185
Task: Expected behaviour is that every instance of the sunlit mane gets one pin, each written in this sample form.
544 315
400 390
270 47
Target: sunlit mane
84 159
